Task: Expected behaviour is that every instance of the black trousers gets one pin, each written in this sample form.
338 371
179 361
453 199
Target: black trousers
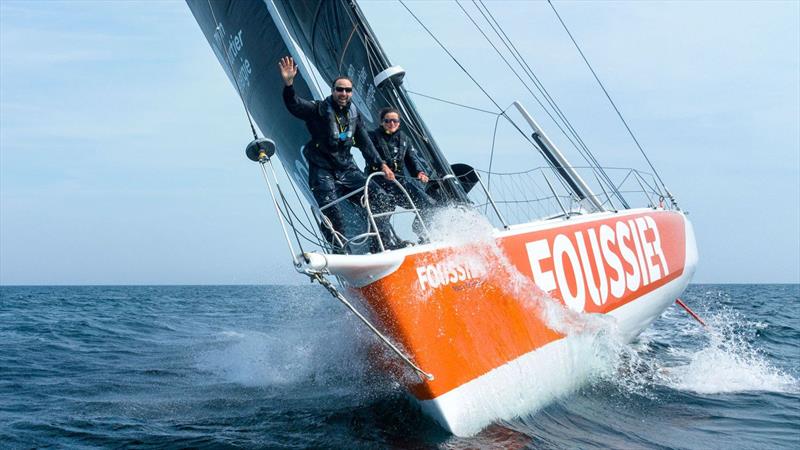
328 185
423 201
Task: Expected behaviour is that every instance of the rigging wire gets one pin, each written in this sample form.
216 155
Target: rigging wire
289 217
524 84
513 70
583 149
313 229
491 153
509 44
511 47
501 114
452 103
581 146
502 111
461 66
608 96
469 75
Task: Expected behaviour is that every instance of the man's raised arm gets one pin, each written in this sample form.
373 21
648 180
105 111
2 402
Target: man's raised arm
299 107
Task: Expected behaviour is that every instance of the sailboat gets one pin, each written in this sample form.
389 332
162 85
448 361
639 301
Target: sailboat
467 315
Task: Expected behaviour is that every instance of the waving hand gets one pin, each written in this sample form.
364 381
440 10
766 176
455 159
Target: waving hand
288 70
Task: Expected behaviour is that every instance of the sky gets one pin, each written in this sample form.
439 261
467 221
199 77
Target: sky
121 139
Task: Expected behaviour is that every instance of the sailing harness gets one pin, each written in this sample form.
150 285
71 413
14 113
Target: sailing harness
390 153
341 126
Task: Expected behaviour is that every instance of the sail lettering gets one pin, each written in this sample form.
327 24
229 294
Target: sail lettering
231 52
235 44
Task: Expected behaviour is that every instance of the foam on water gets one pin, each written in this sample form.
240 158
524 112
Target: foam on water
142 383
728 362
338 353
253 358
285 355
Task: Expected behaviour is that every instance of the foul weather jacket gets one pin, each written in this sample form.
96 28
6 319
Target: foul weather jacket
396 150
324 150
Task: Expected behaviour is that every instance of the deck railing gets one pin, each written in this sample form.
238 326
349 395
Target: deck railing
508 199
540 193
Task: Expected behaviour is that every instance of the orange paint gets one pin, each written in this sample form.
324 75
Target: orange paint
461 312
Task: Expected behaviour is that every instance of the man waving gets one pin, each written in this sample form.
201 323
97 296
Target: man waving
335 127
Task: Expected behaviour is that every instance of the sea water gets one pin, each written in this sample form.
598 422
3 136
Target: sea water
284 366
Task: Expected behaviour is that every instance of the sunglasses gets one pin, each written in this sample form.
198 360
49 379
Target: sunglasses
391 120
343 89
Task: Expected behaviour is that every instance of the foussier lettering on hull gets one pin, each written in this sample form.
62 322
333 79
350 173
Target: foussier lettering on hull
606 260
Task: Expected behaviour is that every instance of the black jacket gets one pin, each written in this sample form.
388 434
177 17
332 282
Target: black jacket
396 150
325 150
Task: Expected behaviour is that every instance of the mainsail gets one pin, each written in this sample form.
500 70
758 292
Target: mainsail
327 38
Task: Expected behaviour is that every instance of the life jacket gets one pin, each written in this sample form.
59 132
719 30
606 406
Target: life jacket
394 154
341 129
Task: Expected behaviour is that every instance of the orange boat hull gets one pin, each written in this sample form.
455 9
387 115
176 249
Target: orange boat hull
480 316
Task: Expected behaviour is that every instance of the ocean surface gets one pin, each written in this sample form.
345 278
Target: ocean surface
284 367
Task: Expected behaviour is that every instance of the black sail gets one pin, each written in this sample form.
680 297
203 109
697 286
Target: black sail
327 38
335 45
248 44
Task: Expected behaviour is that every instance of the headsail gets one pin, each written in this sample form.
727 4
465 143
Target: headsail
327 38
